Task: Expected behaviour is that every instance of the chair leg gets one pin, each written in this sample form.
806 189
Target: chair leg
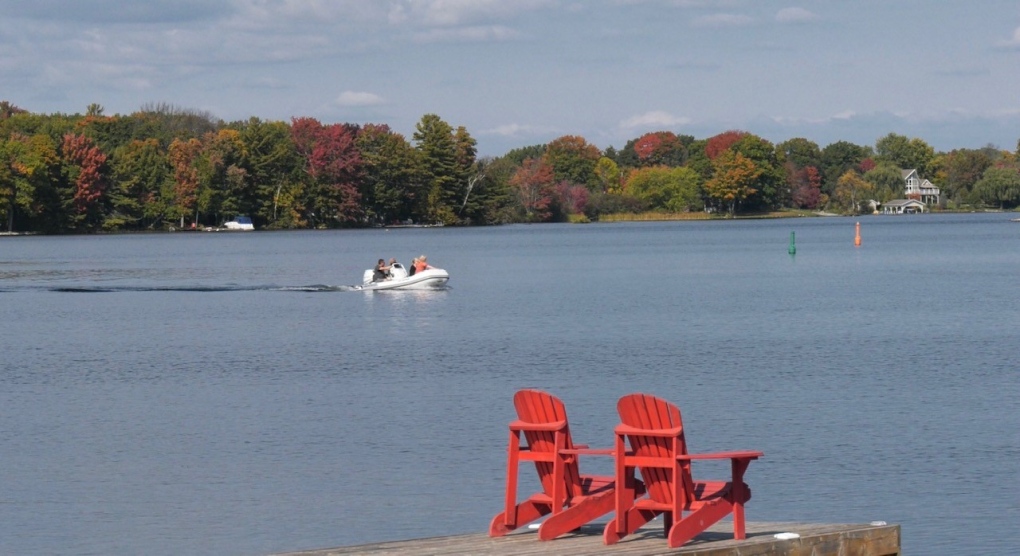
696 522
521 515
570 519
740 494
631 521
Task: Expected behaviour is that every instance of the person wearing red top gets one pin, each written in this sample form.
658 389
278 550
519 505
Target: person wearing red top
420 264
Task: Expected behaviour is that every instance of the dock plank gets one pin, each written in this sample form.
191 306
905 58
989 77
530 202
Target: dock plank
815 538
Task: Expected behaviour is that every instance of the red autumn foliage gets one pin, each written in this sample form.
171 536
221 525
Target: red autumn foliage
182 155
573 199
806 187
89 184
533 183
646 145
333 161
656 147
867 165
716 145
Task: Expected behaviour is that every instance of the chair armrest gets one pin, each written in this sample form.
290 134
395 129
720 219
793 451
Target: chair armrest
664 433
540 427
577 450
748 454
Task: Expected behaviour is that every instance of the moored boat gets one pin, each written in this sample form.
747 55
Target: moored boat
242 223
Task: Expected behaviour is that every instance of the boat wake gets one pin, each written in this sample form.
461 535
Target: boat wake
196 289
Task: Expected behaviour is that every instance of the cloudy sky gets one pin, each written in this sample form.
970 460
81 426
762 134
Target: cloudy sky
524 72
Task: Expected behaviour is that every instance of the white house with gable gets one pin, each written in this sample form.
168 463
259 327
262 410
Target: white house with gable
922 190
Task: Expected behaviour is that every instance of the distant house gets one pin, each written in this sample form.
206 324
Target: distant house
903 206
922 190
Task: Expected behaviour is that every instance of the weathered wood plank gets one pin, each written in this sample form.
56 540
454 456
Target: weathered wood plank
815 538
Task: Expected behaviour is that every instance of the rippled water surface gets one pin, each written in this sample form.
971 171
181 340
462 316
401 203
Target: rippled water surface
226 393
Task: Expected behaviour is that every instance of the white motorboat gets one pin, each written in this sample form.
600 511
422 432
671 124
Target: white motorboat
428 279
242 223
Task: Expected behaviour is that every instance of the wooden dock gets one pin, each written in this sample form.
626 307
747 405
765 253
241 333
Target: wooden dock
814 540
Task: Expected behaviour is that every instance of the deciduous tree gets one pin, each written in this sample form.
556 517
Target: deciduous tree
333 164
733 180
718 144
86 170
805 186
837 158
534 186
999 187
887 180
908 154
851 190
182 156
660 148
664 188
573 159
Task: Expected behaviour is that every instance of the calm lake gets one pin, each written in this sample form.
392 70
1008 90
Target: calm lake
215 393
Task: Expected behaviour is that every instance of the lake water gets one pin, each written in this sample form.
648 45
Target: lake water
223 394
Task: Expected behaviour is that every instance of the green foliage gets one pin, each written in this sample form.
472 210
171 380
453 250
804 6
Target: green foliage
573 160
908 154
165 164
801 152
607 175
391 181
999 187
444 177
770 186
271 165
958 171
837 158
886 180
140 171
664 188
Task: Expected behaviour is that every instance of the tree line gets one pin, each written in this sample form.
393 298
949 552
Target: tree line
164 166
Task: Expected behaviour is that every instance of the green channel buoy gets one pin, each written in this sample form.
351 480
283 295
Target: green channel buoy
793 245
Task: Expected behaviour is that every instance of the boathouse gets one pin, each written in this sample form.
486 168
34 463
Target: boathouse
903 206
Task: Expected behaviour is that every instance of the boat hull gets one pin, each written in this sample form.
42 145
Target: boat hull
431 279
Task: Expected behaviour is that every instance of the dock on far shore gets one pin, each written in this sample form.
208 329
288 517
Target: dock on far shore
798 539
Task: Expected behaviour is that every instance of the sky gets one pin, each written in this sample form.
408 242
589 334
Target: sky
517 73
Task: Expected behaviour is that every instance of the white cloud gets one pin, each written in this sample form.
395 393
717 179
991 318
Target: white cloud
795 15
459 12
519 130
467 34
451 13
1013 42
357 98
721 20
655 118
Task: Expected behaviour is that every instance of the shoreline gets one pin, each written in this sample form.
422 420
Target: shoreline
608 219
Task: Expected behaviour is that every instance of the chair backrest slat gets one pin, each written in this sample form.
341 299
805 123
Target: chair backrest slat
643 411
536 406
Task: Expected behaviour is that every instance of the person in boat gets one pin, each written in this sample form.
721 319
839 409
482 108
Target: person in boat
414 267
381 271
389 269
421 263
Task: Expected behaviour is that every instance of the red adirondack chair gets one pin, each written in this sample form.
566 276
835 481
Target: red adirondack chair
572 499
658 449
